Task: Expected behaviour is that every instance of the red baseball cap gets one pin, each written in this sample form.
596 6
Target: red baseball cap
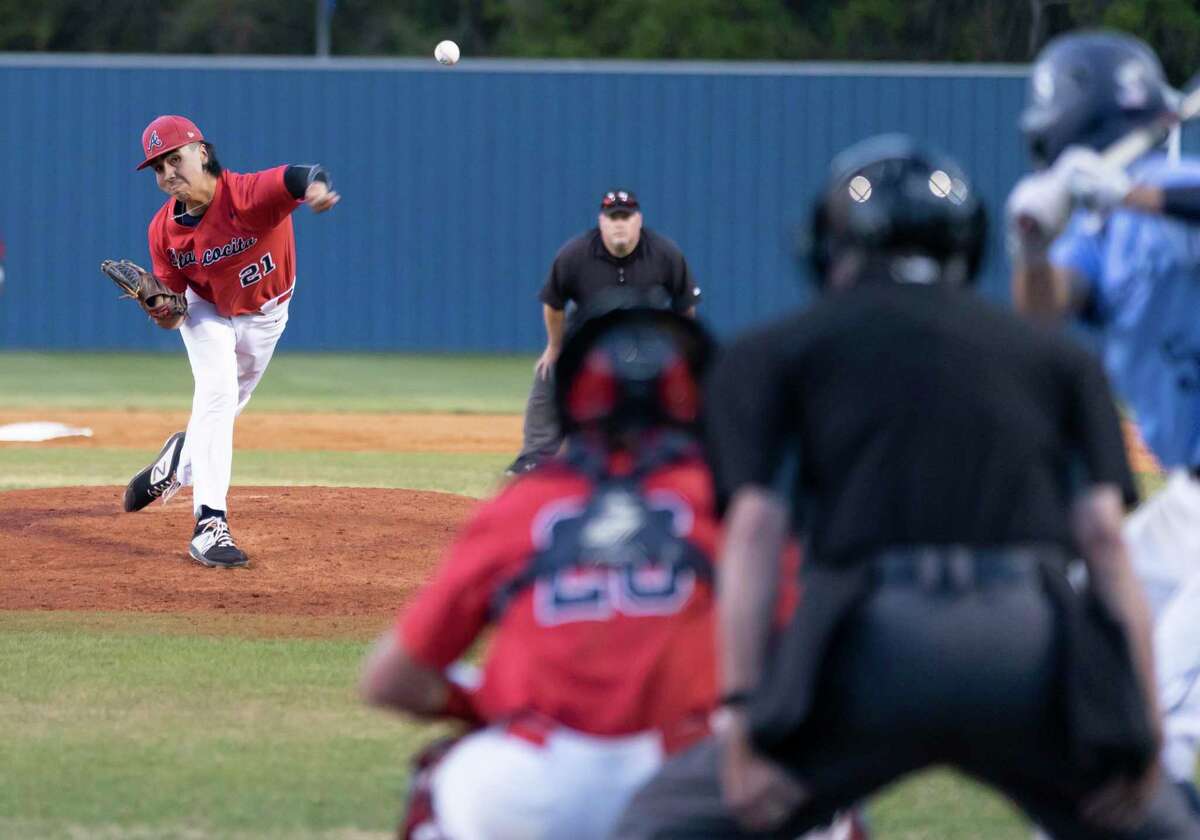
166 134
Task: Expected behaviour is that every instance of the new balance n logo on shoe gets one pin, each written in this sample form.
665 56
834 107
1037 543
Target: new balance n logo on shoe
158 478
162 468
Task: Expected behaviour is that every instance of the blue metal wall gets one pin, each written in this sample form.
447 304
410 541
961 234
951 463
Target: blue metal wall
459 184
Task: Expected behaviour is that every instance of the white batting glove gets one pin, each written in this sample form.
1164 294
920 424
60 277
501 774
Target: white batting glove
1093 183
1037 211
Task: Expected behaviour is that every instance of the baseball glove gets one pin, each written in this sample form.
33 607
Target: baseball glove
165 307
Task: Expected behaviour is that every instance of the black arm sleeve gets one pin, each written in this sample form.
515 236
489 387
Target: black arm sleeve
297 178
1182 203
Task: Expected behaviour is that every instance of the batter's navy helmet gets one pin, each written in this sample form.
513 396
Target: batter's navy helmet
630 368
1089 89
890 199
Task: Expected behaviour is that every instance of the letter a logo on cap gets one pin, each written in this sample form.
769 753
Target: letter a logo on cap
154 142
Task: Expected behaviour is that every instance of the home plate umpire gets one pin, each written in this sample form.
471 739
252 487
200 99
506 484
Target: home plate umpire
944 461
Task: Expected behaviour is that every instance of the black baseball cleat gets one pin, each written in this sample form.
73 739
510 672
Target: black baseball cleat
522 465
156 480
212 545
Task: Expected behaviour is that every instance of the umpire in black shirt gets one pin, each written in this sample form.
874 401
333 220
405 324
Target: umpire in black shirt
616 254
944 462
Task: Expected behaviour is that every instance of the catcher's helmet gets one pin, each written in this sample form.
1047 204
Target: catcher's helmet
630 368
1089 89
891 200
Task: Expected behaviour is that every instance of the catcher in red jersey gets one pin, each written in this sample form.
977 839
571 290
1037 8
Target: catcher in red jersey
224 240
594 572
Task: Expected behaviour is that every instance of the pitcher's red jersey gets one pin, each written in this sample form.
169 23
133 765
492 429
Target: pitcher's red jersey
591 648
241 254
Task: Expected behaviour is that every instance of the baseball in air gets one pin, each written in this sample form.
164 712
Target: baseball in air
446 52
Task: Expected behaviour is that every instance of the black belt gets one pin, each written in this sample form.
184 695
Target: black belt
1195 471
961 567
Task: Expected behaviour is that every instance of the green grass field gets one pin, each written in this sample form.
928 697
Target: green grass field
134 726
297 382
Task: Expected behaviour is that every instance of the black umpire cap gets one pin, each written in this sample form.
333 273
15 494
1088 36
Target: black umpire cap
619 201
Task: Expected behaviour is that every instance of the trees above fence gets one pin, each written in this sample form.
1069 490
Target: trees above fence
856 30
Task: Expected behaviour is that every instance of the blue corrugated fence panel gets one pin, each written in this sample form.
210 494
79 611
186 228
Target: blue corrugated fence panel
460 184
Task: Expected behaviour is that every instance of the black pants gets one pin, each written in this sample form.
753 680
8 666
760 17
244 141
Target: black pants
920 677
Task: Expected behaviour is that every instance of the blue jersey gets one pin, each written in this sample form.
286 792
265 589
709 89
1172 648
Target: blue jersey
1142 276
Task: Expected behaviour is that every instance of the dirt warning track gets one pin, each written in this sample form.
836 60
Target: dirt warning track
491 433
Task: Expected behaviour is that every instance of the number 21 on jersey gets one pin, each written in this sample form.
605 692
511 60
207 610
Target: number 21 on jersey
256 271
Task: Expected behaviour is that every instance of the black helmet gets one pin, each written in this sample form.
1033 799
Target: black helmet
907 206
632 367
1089 89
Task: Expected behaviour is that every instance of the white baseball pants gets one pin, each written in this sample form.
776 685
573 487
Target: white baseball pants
1164 543
228 357
494 785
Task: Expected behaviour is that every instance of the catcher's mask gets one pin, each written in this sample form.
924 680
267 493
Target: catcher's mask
632 369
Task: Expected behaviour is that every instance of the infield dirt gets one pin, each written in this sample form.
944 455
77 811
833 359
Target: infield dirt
493 433
350 432
314 551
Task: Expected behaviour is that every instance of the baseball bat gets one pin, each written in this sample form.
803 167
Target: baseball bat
1141 140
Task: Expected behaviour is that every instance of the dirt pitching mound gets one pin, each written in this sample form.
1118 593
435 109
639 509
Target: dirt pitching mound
314 551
